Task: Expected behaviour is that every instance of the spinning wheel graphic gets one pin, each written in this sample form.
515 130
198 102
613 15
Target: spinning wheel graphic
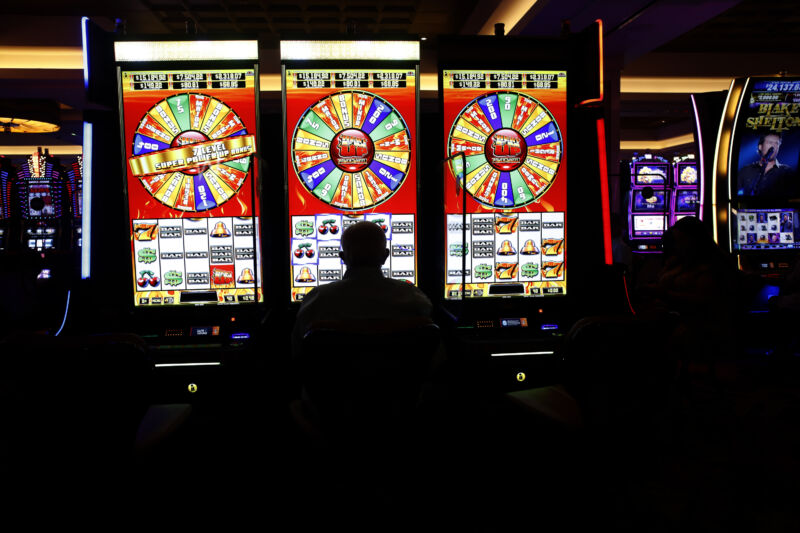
191 152
352 150
512 146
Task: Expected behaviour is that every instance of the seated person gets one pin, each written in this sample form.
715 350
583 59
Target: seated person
363 293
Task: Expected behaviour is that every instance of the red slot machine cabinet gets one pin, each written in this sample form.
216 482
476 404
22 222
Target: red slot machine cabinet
523 136
189 114
41 205
649 202
756 192
350 124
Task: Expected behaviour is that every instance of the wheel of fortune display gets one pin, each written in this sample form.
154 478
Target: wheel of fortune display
187 119
512 147
352 150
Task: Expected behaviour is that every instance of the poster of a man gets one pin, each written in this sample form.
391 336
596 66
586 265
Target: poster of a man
766 175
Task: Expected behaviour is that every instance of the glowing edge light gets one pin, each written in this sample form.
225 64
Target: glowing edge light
599 99
358 50
702 168
722 156
139 51
86 221
84 44
601 155
66 313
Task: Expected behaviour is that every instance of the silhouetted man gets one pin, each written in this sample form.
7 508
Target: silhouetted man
363 293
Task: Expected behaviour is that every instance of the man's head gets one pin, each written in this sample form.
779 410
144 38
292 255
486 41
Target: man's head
767 141
364 244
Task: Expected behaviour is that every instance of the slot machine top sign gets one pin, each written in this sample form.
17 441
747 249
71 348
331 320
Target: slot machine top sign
511 128
190 147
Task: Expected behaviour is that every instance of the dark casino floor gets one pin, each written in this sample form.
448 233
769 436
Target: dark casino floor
720 452
723 454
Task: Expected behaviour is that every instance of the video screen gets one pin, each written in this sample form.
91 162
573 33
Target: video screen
686 173
190 145
686 201
766 229
511 128
650 173
352 156
648 226
655 201
768 140
40 200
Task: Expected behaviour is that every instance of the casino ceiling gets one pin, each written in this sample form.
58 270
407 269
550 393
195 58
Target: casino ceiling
657 51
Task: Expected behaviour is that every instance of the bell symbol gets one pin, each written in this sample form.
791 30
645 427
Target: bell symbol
506 248
529 248
305 276
246 276
220 230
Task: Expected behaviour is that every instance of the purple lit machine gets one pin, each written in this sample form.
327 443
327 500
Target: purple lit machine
648 202
686 200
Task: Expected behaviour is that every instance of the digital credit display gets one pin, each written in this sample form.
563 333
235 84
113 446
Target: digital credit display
192 171
351 156
511 127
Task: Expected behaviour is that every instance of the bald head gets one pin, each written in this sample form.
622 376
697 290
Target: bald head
364 244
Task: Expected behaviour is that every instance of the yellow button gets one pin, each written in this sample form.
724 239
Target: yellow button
521 376
192 388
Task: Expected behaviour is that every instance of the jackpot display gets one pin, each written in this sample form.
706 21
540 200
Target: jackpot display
511 128
192 171
351 136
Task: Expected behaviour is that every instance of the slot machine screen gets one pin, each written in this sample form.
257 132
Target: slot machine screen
648 226
351 141
511 127
192 171
766 229
687 174
686 201
650 173
40 200
766 151
656 201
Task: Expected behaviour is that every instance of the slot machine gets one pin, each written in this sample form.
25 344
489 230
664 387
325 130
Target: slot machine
6 173
525 201
189 119
350 126
648 202
686 192
40 205
756 180
74 184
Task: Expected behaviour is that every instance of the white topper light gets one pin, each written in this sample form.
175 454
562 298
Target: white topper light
136 51
366 50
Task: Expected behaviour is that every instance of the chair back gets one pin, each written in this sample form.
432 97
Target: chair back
367 376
